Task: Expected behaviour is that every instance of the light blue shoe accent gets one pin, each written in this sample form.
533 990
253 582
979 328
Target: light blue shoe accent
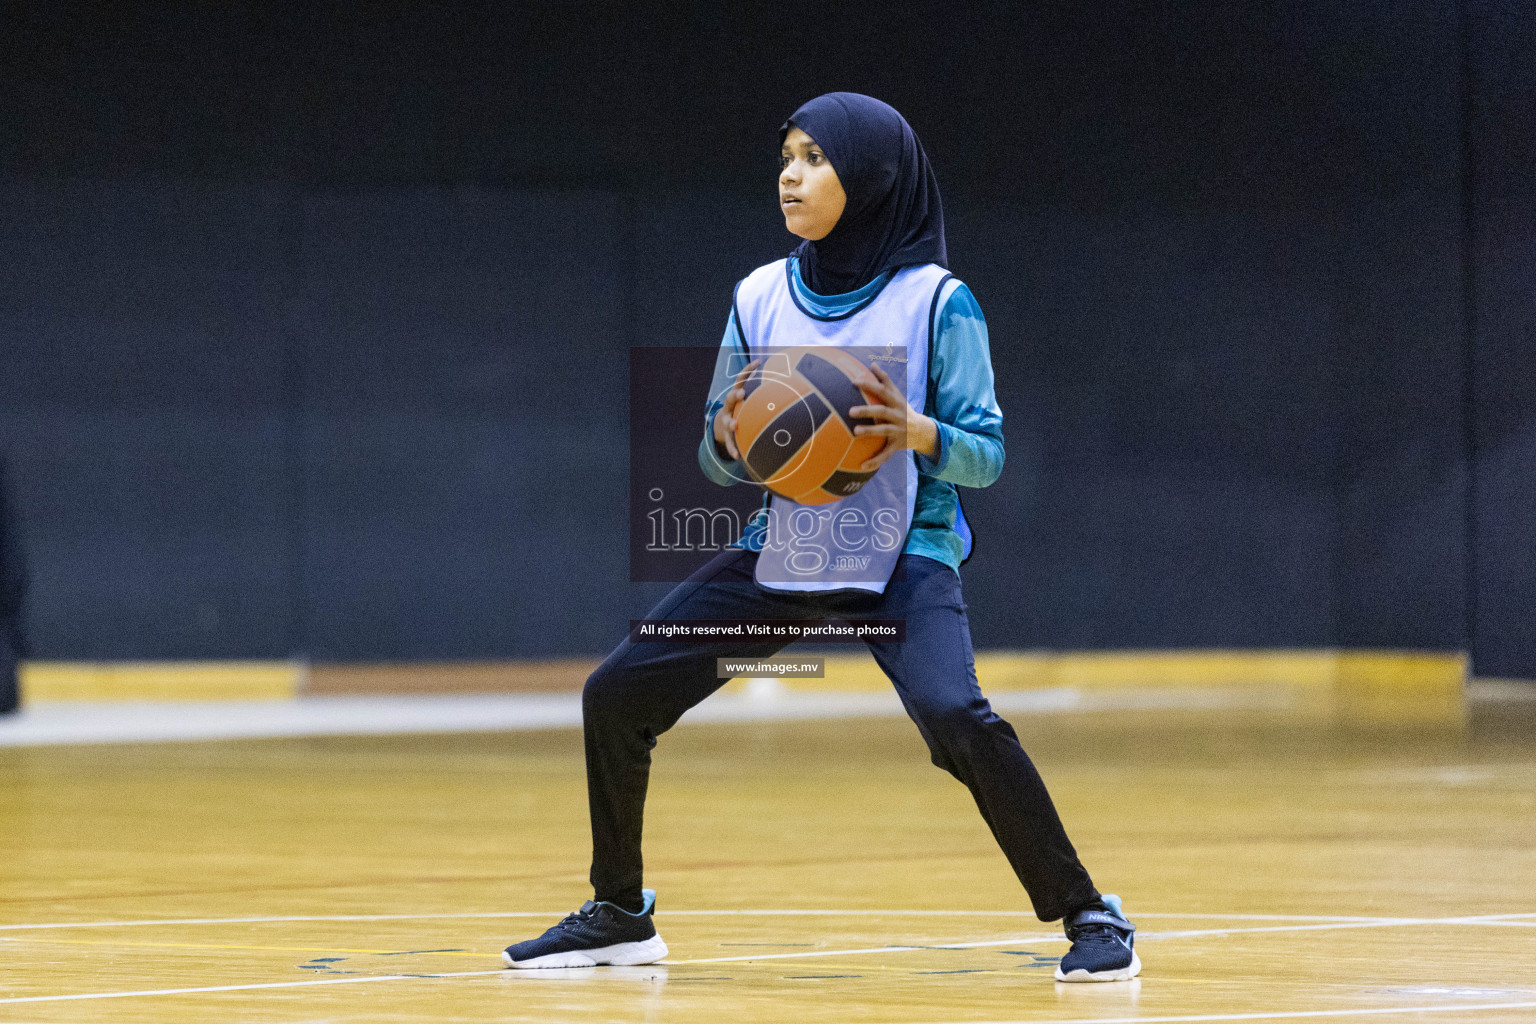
649 895
1113 903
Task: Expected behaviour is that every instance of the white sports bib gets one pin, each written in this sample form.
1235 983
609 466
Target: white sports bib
852 543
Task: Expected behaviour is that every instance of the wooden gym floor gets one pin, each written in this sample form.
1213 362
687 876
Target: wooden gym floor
808 872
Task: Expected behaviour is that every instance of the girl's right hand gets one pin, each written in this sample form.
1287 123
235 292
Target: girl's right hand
725 419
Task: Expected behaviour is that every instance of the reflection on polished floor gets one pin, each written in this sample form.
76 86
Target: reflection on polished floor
809 872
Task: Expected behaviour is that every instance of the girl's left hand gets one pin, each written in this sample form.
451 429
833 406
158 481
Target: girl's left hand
901 425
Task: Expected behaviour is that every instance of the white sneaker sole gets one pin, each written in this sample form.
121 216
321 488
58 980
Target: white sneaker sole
624 954
1123 974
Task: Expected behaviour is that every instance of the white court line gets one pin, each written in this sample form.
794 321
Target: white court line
1279 1015
1489 919
670 913
270 920
1381 922
1390 922
873 949
1018 939
1273 917
242 988
1275 1015
1386 922
1181 1019
1021 913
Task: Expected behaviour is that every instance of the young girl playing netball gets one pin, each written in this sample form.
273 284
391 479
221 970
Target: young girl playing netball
856 186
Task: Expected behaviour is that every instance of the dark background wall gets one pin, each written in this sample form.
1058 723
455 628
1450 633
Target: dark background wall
1501 316
313 331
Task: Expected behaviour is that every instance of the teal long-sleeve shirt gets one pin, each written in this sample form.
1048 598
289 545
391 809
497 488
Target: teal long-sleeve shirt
961 399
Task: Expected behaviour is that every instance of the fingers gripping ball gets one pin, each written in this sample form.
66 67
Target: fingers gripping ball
793 429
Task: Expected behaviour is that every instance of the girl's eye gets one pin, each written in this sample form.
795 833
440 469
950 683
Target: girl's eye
814 157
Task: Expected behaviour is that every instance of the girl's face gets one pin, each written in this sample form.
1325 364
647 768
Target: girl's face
809 193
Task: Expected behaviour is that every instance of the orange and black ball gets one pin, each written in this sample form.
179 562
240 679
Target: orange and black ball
793 429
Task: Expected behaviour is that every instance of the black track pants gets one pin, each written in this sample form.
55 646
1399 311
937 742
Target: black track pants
642 689
10 696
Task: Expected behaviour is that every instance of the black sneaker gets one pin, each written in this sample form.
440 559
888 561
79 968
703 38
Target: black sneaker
1102 946
598 933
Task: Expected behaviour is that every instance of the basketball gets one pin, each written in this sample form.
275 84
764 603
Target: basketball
793 429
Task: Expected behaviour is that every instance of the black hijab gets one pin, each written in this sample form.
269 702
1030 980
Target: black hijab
893 217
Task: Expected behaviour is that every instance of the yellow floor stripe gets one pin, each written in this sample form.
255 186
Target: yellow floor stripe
176 681
1393 686
1386 684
